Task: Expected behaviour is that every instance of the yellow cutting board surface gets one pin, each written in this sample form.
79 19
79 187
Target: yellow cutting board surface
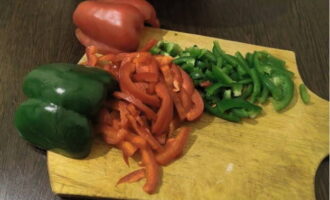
273 157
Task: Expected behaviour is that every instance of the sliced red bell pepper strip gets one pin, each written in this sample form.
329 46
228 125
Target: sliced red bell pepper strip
187 82
149 113
132 177
175 123
112 135
121 107
151 88
161 138
146 77
197 108
186 99
165 112
145 133
104 116
113 70
128 150
123 58
126 84
165 69
91 55
205 84
123 113
177 78
145 62
132 110
106 59
136 140
152 170
142 86
174 150
163 60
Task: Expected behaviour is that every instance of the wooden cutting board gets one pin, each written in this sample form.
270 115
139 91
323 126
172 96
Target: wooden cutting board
272 157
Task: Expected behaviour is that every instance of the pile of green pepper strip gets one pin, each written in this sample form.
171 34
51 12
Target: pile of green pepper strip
234 83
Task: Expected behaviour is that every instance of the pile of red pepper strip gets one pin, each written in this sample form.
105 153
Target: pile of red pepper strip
155 97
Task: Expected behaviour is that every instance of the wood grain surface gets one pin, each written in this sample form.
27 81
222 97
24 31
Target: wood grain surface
35 32
264 158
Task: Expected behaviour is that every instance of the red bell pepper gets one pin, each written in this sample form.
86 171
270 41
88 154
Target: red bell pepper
146 9
112 26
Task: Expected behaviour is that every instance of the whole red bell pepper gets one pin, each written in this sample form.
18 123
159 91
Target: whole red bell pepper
112 26
146 9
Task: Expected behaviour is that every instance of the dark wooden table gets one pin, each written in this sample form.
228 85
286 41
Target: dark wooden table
38 31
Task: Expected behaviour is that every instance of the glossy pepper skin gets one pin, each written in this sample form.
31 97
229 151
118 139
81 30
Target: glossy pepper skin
112 26
54 128
146 9
62 97
74 87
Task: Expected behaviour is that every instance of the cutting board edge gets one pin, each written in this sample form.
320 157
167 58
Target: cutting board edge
163 31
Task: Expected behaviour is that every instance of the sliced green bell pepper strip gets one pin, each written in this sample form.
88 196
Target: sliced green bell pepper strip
221 76
275 91
210 76
227 94
155 50
215 111
208 56
188 67
195 52
245 81
185 59
285 83
217 51
256 85
196 74
227 104
242 61
213 89
247 92
249 59
237 89
264 95
240 113
166 48
305 97
227 69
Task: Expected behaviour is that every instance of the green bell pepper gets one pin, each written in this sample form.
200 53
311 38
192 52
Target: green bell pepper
62 98
52 127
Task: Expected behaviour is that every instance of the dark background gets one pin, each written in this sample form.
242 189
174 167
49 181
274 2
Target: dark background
38 31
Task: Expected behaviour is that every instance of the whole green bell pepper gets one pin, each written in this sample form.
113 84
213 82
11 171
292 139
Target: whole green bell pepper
75 87
62 99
